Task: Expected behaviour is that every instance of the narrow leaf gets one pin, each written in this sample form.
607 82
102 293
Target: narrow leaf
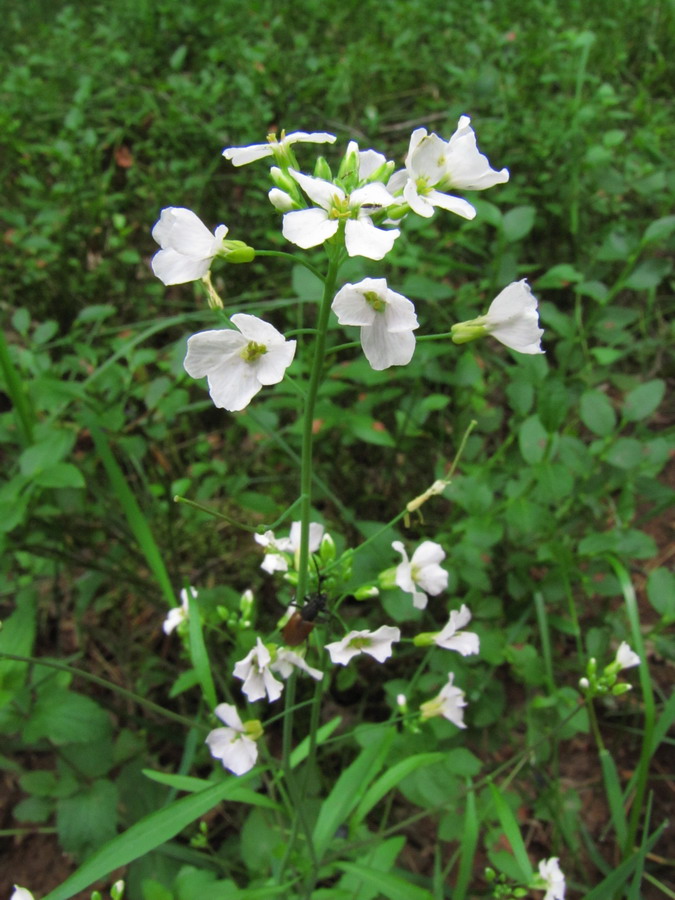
198 654
391 886
512 832
391 778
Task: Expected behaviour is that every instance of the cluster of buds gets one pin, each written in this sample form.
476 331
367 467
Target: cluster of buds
596 684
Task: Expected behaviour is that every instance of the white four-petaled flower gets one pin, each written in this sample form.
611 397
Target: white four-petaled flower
387 321
239 156
434 165
179 613
626 657
311 227
449 703
188 247
238 363
553 878
375 643
422 574
287 660
274 560
233 745
254 670
512 319
450 638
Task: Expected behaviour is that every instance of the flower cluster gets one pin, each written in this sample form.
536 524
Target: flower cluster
359 210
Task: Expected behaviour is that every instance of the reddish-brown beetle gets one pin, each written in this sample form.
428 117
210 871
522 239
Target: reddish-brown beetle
301 623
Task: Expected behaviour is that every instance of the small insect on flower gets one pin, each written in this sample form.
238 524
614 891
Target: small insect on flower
301 623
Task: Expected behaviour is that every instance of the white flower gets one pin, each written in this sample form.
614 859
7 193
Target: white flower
424 169
434 165
387 321
626 657
254 671
422 574
280 200
187 246
375 643
179 613
287 660
238 363
275 547
512 319
311 227
465 642
239 156
553 878
465 166
233 745
449 703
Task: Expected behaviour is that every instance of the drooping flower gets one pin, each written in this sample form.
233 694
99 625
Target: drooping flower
234 745
375 643
387 321
238 363
450 638
188 247
512 319
553 879
434 166
286 660
626 657
449 703
422 574
179 613
275 548
240 156
311 227
254 670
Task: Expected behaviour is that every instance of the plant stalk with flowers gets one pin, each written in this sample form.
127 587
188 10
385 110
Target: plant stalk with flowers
359 212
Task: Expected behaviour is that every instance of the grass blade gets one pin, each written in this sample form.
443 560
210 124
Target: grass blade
512 832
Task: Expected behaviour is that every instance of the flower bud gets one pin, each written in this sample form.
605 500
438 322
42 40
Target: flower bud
584 684
366 592
117 890
253 729
246 603
424 638
387 579
463 332
322 169
349 164
622 688
236 252
281 200
327 549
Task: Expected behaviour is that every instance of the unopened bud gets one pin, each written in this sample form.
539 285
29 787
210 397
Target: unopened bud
327 549
366 592
322 169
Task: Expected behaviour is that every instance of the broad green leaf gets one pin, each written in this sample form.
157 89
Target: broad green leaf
148 834
559 276
532 440
597 413
390 780
60 475
649 274
517 223
381 857
45 454
659 230
626 453
65 717
88 818
643 400
661 592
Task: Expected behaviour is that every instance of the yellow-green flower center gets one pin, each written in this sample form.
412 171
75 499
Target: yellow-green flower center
358 643
373 299
252 351
339 208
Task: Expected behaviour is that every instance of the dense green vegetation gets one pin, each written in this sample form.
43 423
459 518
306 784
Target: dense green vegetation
557 514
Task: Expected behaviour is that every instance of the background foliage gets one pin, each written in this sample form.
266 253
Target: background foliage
108 114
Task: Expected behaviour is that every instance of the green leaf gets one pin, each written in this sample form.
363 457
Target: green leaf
88 818
659 230
517 223
45 454
391 886
322 735
597 413
512 832
643 400
390 780
532 440
61 475
65 717
148 834
626 453
649 274
559 276
349 787
200 659
661 592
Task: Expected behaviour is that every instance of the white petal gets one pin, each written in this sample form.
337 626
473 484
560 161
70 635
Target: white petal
255 329
428 553
626 657
21 893
351 307
369 162
398 181
316 530
312 137
172 267
240 156
308 227
321 192
464 642
453 204
271 367
280 200
382 639
229 715
174 618
207 350
466 167
415 139
237 752
399 313
383 348
374 194
182 230
416 201
362 238
513 318
428 159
